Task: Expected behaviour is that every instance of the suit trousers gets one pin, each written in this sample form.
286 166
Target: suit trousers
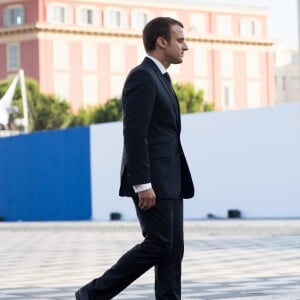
162 247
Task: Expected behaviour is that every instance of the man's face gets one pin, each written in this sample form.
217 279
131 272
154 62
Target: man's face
175 48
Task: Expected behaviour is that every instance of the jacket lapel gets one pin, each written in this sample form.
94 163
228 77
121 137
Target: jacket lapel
173 97
168 87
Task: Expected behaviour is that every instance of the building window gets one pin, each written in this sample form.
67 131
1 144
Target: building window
13 57
295 84
224 25
90 90
200 62
87 16
116 86
13 16
253 94
61 86
226 63
252 64
250 28
198 23
117 58
114 18
139 19
227 95
89 57
61 55
275 58
140 53
283 83
58 13
295 59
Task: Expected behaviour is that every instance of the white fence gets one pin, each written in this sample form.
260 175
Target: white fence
247 160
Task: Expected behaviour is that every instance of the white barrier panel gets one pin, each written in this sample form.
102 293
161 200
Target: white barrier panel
106 144
247 160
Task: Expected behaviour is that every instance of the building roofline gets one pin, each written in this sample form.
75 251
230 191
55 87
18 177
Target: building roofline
176 4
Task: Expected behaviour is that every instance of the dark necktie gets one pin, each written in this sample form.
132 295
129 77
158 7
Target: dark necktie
167 76
168 79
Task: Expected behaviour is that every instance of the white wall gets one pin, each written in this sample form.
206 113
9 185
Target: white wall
247 160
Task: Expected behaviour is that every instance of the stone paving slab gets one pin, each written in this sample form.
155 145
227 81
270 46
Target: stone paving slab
224 259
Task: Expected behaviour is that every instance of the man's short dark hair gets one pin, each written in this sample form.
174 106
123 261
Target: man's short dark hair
158 27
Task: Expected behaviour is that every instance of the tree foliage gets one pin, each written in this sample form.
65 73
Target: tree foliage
45 111
190 99
108 112
49 112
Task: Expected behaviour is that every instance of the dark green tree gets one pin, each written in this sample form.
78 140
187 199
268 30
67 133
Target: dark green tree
49 112
83 117
190 99
45 111
108 112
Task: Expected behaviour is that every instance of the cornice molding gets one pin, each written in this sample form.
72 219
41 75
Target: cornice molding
68 30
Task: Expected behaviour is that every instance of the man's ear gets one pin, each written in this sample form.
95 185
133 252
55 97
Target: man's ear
161 42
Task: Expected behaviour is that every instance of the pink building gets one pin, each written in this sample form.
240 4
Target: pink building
82 50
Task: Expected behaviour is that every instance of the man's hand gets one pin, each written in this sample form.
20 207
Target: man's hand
147 199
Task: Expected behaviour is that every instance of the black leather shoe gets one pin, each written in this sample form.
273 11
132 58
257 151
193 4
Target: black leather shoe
82 294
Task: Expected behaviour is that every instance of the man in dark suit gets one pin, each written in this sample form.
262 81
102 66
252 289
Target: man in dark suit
154 170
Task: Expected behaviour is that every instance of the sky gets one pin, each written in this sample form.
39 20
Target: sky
282 17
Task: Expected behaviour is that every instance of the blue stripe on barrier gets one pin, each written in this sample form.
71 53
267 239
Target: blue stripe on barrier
46 176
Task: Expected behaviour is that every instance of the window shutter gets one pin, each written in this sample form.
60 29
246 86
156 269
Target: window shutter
6 17
49 13
123 19
106 14
67 15
96 17
22 15
78 16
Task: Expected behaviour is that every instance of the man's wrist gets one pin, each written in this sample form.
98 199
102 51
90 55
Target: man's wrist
142 187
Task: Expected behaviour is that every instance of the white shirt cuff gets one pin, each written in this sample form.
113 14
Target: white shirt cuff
142 187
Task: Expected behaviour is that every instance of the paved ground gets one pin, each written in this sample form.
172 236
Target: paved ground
224 259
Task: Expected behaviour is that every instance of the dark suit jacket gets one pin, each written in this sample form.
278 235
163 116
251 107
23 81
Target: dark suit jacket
151 127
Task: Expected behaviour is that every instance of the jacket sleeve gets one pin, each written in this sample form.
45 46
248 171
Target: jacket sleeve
138 102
